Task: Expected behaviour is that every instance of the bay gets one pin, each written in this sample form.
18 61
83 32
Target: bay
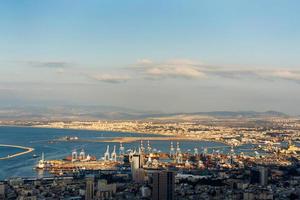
39 139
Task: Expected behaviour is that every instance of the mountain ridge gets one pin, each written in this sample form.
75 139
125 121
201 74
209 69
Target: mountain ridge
113 113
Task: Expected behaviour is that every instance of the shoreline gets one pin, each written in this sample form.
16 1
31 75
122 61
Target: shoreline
128 139
136 139
82 129
133 139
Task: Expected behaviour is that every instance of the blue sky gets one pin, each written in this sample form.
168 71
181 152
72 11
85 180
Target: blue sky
152 55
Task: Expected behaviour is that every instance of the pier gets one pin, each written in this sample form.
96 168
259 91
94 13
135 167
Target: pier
27 150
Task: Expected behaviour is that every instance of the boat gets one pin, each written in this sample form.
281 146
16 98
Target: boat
35 156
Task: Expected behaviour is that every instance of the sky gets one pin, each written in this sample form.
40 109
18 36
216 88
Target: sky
168 56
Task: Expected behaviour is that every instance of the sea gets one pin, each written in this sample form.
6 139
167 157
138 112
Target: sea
41 139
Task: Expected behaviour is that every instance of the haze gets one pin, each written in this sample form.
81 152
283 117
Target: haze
170 56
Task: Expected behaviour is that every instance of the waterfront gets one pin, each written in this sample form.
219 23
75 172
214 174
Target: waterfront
39 139
125 174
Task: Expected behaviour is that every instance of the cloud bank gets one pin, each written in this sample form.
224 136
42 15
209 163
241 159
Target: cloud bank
189 69
147 69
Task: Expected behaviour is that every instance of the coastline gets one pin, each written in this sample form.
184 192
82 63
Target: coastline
152 137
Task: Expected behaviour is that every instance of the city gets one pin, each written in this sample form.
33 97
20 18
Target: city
144 174
149 100
268 169
236 131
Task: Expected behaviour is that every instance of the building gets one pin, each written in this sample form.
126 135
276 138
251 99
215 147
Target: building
90 188
257 194
145 192
263 176
139 175
2 191
259 176
254 176
136 164
104 190
163 185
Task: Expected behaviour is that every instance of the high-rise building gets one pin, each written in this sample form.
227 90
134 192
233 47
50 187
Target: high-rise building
90 188
136 164
163 185
105 190
263 176
259 176
139 175
2 191
254 176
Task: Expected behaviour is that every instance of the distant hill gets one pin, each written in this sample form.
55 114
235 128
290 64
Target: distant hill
243 113
114 113
217 114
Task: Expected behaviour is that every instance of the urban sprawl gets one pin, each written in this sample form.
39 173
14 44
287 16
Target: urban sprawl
270 171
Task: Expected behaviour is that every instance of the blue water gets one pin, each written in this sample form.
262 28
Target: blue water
38 138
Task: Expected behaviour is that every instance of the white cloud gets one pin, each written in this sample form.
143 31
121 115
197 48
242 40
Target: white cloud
144 61
190 69
165 71
170 69
286 74
111 78
49 64
270 74
194 70
60 71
